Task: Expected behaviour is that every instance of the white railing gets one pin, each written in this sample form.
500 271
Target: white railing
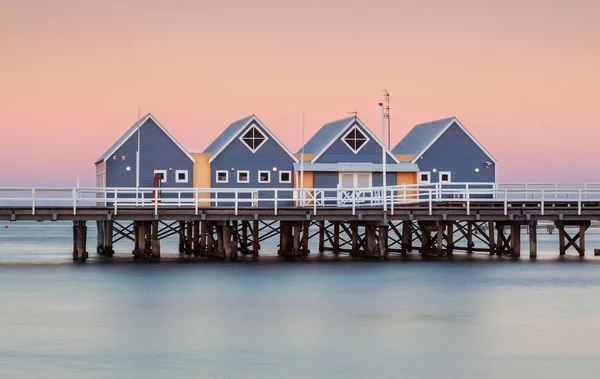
541 195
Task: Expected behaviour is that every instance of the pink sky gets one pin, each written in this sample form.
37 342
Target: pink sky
522 76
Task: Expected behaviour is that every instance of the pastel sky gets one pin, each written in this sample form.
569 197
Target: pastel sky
522 76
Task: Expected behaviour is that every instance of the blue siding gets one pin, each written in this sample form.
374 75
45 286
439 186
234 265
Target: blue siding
157 152
339 152
237 155
454 151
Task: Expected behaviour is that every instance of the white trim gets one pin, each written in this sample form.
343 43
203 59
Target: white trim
428 181
220 172
164 172
452 121
263 171
247 176
252 126
285 172
177 180
264 128
367 139
141 123
445 173
367 130
355 178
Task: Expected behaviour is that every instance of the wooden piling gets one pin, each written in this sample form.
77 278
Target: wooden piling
533 239
255 237
515 235
181 236
79 241
227 241
491 241
196 238
406 237
382 236
108 239
321 236
155 244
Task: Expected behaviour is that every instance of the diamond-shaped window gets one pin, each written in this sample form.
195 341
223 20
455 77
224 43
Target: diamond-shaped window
355 139
253 139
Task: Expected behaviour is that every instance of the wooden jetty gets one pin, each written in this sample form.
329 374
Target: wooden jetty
384 223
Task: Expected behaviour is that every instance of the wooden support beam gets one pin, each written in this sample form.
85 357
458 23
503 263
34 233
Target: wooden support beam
440 238
406 237
354 238
370 236
321 236
336 238
582 229
100 230
155 245
470 243
515 241
108 238
450 237
491 242
382 236
255 238
203 238
533 239
305 238
226 240
79 241
196 238
297 235
181 237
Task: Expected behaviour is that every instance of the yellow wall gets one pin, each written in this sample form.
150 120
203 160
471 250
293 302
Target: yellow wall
407 178
308 180
307 157
404 157
201 174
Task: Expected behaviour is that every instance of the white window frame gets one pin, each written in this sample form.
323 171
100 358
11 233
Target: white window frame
428 181
247 176
261 172
220 172
164 172
285 172
177 180
445 173
361 132
260 131
354 179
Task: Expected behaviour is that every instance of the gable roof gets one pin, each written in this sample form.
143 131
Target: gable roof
423 136
331 132
131 131
233 130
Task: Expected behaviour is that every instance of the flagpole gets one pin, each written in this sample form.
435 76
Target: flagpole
302 163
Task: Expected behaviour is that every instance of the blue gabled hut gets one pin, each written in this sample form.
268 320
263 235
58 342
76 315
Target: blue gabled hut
447 153
247 155
345 154
159 152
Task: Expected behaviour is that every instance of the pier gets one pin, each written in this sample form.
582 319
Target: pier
369 223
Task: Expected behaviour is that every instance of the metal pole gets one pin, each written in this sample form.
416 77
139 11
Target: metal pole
302 164
137 161
383 157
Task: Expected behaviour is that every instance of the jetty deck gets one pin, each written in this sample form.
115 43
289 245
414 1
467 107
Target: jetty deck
372 222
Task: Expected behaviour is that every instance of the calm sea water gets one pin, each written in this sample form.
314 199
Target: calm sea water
475 318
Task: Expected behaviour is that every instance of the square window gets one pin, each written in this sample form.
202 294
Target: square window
181 176
243 177
253 138
445 177
264 177
163 173
285 176
355 139
424 177
222 176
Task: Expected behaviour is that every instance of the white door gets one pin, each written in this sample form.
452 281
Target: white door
352 180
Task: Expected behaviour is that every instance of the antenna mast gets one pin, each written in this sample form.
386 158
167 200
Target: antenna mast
386 98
